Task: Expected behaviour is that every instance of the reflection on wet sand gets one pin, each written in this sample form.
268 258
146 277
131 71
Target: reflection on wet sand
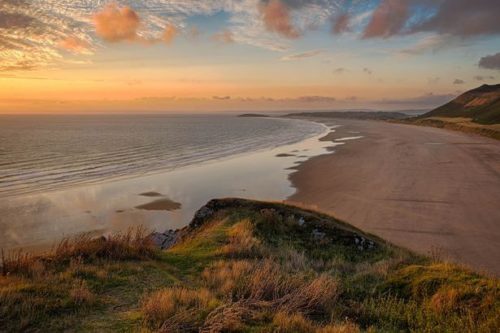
35 220
151 194
160 204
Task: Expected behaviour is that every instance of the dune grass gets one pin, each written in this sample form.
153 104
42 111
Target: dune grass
466 125
248 267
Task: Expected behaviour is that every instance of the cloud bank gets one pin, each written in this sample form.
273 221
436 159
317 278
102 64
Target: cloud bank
36 33
490 62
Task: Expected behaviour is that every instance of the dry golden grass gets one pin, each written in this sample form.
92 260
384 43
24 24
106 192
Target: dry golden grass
227 278
444 300
177 307
315 297
24 263
230 317
340 328
131 244
265 280
284 322
241 241
80 294
134 244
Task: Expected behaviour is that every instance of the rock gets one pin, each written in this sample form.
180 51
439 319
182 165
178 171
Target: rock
363 243
165 240
204 212
318 234
267 211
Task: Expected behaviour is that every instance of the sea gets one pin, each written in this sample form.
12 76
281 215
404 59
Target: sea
40 153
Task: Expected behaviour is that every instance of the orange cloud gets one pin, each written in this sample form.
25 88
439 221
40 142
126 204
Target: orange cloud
169 33
116 24
74 45
277 18
341 24
388 19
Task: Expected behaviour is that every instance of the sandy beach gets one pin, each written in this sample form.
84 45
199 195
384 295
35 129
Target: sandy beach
422 188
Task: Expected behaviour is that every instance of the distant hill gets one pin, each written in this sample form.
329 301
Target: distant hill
364 115
253 115
482 105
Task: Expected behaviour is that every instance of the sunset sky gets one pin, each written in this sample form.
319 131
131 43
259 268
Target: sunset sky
181 55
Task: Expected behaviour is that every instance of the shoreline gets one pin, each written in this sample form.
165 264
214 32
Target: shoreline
404 183
159 201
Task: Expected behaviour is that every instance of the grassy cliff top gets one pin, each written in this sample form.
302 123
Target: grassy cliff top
244 266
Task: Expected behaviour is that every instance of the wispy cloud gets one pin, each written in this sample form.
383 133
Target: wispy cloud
33 33
340 70
426 100
433 43
225 36
367 71
484 78
303 55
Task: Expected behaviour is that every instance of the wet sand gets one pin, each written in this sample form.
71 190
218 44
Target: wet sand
422 188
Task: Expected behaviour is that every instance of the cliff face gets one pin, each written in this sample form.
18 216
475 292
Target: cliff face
481 104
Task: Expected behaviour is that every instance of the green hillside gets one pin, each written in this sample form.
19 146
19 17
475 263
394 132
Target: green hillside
482 105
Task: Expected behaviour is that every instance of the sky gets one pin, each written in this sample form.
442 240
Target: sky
88 56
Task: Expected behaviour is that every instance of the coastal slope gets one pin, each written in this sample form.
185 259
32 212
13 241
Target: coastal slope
244 266
481 105
475 111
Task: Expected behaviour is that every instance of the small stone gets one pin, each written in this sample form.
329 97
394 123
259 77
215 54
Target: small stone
301 221
318 234
158 238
